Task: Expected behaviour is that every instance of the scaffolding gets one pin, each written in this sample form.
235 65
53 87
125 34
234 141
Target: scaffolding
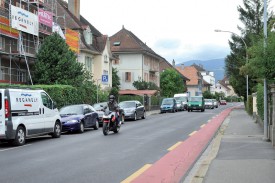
26 45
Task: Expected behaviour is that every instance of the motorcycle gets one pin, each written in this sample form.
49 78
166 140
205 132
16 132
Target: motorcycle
109 122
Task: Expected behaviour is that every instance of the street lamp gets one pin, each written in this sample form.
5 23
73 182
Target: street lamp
97 90
217 30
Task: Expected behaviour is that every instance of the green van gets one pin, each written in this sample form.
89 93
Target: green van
196 103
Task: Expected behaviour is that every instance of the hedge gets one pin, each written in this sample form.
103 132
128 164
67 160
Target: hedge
67 94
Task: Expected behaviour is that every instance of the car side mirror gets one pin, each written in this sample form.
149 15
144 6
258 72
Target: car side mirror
54 105
136 105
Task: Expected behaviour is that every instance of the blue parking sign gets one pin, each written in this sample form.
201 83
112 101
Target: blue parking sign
104 78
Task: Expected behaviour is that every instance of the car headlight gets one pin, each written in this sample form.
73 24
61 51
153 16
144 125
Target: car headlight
73 121
189 104
200 105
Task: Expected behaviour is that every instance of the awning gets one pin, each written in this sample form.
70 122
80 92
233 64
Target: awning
138 92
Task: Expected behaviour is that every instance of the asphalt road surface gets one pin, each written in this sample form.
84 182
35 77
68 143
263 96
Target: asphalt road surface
94 158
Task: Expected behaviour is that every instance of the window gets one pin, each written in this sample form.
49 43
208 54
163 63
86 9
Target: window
128 76
116 62
88 63
21 76
2 43
2 3
105 58
47 102
88 36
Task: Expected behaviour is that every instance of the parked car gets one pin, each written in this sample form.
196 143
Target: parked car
223 102
168 105
209 104
132 109
78 117
180 105
216 104
26 113
99 107
196 103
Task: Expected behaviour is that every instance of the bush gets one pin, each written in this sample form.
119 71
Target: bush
260 100
67 94
249 105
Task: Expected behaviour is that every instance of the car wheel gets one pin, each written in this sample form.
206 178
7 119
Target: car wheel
96 125
144 115
20 136
188 110
135 116
56 130
81 127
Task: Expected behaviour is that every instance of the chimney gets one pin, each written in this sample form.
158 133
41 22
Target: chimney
173 63
182 66
74 8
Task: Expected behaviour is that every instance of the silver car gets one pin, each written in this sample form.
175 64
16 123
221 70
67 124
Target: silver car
132 109
209 103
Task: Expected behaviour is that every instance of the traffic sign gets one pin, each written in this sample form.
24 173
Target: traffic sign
104 78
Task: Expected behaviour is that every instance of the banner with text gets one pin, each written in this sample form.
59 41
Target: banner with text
45 17
24 20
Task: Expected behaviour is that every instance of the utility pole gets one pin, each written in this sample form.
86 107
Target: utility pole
265 83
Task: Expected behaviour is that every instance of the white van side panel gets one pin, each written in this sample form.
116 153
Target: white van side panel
26 109
2 113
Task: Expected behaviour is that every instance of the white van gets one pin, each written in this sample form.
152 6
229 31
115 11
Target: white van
26 113
183 97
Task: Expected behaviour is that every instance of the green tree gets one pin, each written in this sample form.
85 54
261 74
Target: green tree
251 15
261 64
115 82
143 85
171 83
56 64
207 94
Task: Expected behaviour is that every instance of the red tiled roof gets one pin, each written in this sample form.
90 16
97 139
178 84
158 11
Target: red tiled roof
128 42
137 92
190 72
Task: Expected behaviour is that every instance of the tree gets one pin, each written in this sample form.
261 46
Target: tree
56 64
171 83
143 85
115 83
261 64
251 15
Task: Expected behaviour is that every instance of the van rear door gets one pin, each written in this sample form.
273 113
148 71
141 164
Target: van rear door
2 113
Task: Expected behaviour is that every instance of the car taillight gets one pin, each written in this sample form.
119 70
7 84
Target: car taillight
7 108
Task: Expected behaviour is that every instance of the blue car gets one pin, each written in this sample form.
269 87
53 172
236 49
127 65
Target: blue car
168 105
75 118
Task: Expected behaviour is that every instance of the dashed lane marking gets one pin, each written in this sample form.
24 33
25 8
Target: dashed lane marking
174 146
192 133
137 173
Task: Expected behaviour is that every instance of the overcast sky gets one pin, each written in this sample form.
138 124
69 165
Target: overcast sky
175 29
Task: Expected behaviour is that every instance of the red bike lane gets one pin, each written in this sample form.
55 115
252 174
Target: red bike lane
174 165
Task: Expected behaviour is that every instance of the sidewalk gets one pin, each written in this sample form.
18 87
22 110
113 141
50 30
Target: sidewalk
236 155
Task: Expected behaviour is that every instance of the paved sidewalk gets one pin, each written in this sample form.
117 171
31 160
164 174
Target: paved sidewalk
242 155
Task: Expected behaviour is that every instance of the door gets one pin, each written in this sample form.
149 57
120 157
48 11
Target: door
48 112
2 113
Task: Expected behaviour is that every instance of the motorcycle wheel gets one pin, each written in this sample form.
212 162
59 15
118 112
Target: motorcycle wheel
105 129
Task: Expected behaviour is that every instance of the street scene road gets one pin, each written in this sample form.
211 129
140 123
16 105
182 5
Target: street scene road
93 157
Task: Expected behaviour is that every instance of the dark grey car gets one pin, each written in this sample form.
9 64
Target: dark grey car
133 109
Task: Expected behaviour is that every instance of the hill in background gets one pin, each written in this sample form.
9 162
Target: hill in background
214 65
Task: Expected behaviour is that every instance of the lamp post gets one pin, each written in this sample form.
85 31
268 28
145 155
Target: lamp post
246 55
97 90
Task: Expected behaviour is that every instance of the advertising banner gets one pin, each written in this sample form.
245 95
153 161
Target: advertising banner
72 40
24 20
45 17
6 29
